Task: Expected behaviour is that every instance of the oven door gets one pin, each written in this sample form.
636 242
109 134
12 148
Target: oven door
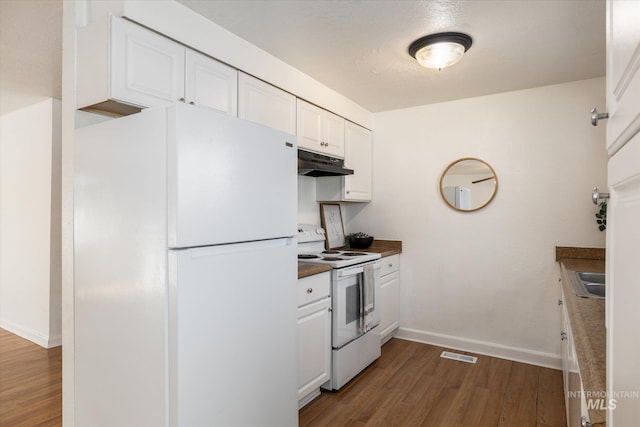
347 303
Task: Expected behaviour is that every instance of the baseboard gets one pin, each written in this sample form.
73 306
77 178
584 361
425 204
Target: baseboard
532 357
31 335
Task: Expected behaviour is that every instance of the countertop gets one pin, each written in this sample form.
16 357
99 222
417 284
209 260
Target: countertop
587 318
306 269
383 247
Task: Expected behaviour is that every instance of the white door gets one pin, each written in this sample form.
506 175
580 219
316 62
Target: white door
230 180
209 83
147 69
623 216
233 335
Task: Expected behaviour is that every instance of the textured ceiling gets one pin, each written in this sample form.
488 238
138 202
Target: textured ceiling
359 47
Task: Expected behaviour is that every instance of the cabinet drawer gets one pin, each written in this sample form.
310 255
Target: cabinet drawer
389 264
313 288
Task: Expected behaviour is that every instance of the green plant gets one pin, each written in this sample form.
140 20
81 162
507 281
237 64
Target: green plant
601 216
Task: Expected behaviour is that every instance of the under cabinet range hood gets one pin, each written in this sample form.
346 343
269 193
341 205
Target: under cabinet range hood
313 164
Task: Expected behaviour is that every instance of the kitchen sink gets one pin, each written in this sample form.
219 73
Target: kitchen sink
589 285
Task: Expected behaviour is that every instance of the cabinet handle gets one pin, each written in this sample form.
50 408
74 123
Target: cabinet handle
559 302
310 290
390 265
181 99
563 336
595 116
192 103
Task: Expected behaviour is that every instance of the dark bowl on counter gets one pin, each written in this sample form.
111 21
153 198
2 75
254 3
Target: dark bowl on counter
360 242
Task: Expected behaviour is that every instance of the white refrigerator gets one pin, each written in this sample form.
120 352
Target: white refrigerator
459 197
185 271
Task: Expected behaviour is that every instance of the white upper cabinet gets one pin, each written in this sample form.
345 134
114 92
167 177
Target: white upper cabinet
263 103
359 157
146 68
124 67
319 130
209 83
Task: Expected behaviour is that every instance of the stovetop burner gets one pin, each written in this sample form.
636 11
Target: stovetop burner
332 258
307 256
331 252
354 254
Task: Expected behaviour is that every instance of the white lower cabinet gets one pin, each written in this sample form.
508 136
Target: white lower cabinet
574 397
314 335
389 297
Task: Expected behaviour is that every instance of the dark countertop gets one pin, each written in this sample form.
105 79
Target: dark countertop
306 269
383 247
587 318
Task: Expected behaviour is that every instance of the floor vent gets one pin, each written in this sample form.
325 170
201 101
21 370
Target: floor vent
460 357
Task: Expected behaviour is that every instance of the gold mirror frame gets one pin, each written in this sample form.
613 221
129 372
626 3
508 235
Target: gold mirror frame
492 176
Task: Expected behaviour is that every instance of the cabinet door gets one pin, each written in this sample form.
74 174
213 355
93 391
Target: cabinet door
147 69
333 130
209 83
314 346
359 157
389 304
309 129
263 103
319 130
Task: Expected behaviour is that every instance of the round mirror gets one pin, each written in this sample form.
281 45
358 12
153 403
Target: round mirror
468 184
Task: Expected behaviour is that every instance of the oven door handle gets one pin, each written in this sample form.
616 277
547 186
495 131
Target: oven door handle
361 304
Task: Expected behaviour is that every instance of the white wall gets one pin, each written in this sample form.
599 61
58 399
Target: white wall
308 208
484 281
30 289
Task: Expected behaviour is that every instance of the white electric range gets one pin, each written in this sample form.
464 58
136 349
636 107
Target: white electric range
311 248
355 286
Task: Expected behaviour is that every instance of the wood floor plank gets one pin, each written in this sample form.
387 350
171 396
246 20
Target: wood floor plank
550 390
411 385
30 383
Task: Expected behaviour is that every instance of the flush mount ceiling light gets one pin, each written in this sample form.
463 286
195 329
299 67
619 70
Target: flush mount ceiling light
440 50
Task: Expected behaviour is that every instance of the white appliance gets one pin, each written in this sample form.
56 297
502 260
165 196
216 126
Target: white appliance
355 280
460 197
185 271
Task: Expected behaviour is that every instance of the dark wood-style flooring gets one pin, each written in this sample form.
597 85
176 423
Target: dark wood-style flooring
410 385
30 383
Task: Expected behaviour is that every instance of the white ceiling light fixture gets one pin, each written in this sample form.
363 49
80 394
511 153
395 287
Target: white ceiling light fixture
440 50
